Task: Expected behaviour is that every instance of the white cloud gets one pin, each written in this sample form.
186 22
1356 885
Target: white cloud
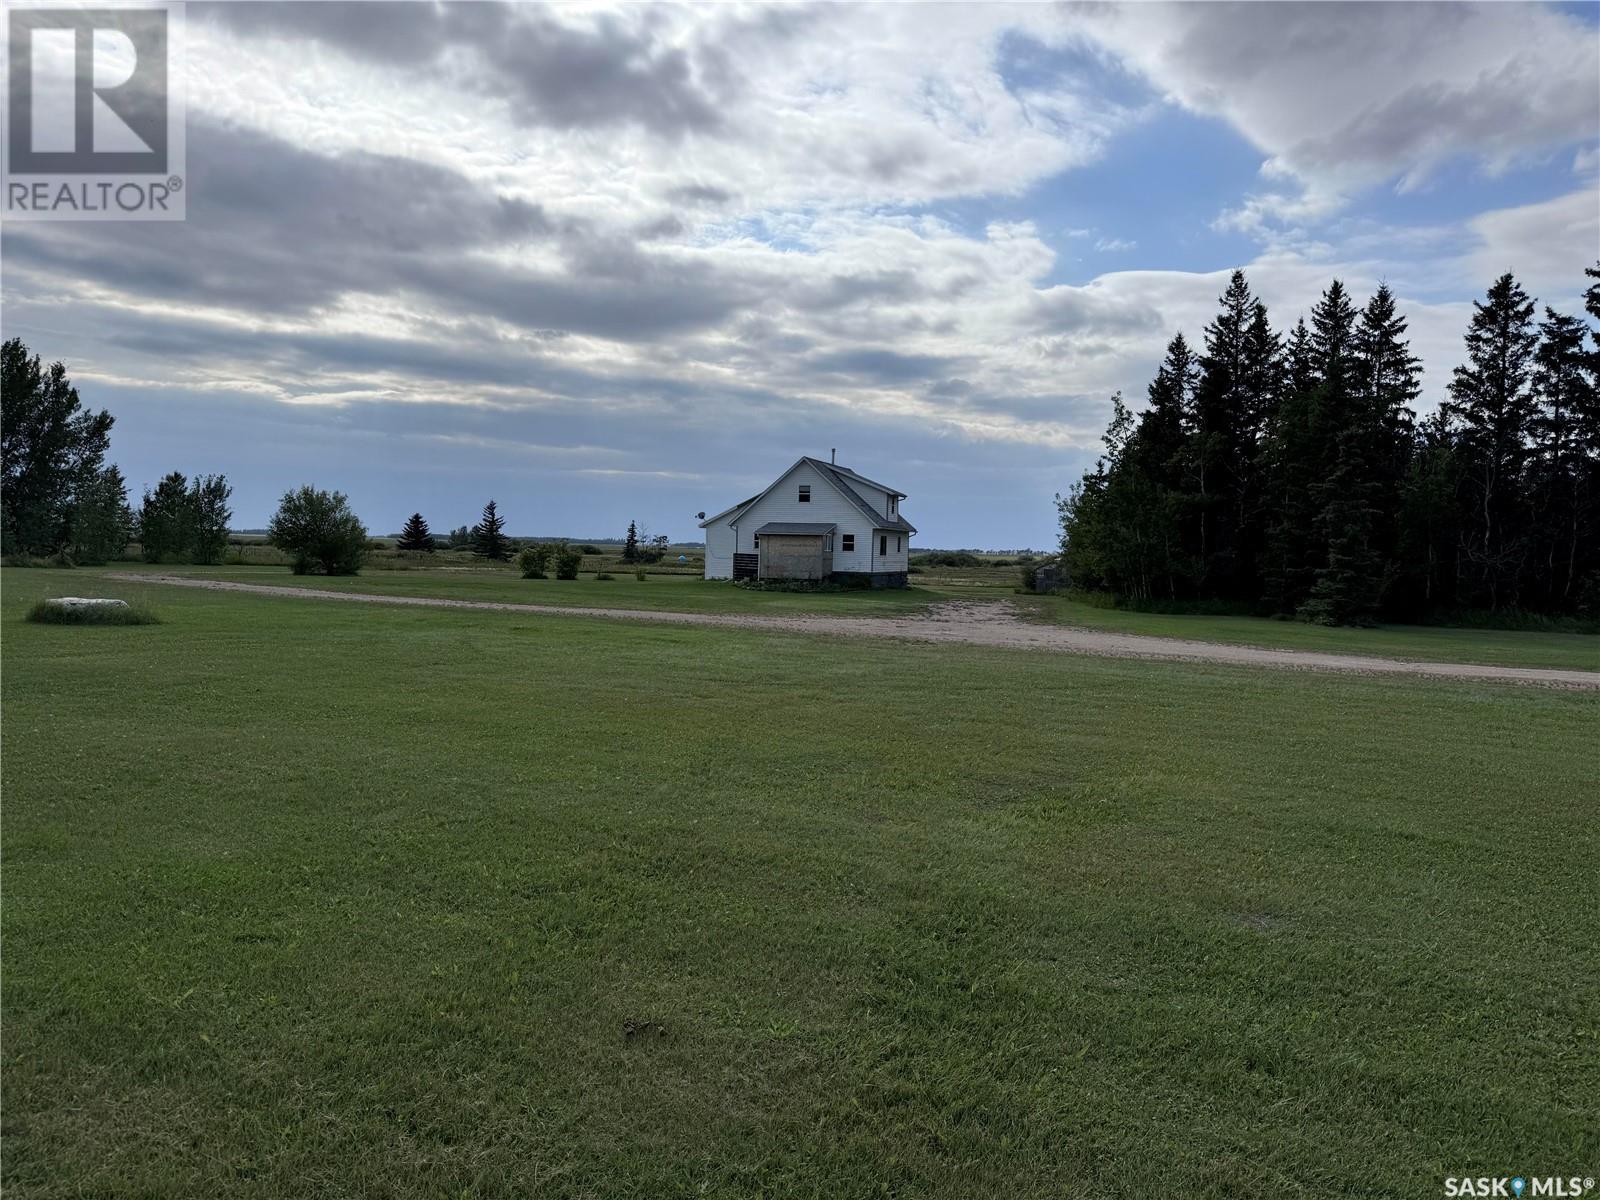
1342 97
1546 245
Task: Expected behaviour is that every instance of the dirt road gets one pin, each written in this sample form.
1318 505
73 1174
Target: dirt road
977 623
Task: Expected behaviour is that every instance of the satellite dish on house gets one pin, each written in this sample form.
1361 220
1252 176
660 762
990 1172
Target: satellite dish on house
700 516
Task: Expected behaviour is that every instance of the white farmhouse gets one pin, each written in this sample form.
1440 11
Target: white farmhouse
817 521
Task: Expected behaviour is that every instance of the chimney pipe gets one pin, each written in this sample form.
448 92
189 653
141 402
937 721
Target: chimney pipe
833 456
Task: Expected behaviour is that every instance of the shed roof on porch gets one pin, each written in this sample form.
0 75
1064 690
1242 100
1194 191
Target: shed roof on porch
794 529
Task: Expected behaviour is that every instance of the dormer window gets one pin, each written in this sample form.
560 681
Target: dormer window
894 505
805 493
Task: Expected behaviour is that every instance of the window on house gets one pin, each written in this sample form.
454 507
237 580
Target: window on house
827 543
899 544
757 542
805 493
849 546
894 505
883 543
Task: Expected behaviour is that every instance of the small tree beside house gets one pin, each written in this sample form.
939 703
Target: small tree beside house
488 536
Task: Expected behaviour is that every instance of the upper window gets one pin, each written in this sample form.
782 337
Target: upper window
894 505
805 493
849 544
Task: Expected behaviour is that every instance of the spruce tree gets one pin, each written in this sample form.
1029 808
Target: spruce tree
1358 496
1291 465
1491 396
1566 448
1429 519
630 547
416 536
1157 455
1237 390
488 535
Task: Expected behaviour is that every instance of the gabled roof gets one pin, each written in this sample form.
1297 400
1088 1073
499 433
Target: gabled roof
795 528
726 511
849 474
841 478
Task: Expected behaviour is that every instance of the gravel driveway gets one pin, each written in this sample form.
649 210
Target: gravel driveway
976 623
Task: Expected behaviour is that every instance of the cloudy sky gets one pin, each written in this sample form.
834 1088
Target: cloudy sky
612 263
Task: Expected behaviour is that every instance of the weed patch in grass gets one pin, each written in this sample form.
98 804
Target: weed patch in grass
53 612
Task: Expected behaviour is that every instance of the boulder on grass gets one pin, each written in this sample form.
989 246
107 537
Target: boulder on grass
85 602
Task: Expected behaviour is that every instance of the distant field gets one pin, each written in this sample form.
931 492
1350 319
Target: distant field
692 594
320 899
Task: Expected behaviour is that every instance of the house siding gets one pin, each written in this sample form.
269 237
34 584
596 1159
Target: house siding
719 550
827 506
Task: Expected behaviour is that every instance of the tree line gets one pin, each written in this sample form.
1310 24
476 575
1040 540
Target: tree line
1291 474
58 497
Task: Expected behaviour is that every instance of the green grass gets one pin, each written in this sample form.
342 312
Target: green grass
678 593
690 594
312 899
1423 643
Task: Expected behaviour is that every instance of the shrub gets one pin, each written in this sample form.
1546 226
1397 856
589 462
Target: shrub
46 613
588 549
638 573
319 532
603 575
568 560
946 558
534 559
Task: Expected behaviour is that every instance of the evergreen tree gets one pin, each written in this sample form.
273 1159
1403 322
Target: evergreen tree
630 547
1566 447
488 536
1429 519
1492 398
1292 463
1157 454
1217 451
1296 475
416 535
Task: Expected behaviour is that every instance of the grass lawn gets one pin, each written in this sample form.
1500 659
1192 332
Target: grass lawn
677 593
1423 643
316 899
